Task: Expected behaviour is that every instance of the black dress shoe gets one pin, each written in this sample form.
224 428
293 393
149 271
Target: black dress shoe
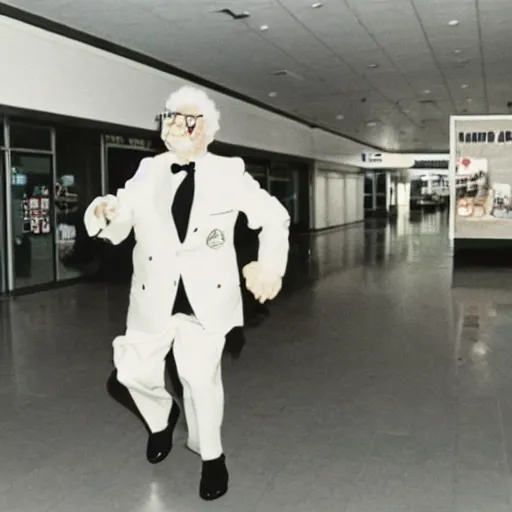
214 479
160 443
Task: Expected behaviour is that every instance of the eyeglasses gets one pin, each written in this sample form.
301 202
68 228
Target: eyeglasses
190 120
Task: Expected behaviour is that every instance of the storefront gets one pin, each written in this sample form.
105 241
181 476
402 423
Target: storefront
47 175
51 170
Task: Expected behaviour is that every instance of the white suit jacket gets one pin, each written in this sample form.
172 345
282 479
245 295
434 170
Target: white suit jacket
207 259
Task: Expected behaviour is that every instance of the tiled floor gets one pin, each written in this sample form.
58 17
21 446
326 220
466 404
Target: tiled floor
377 388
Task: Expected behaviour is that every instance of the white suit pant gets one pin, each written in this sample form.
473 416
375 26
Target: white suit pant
140 362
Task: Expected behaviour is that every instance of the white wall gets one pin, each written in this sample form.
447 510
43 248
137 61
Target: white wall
46 72
338 196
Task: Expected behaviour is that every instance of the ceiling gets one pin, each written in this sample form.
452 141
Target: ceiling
395 70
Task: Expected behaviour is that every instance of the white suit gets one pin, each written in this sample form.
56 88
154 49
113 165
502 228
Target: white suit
206 262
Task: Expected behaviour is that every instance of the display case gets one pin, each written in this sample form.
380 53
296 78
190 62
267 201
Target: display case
481 190
481 178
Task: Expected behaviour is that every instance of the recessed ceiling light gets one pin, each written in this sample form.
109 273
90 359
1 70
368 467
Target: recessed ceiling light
371 123
457 51
317 5
453 23
340 117
426 91
464 86
264 28
272 94
470 100
372 66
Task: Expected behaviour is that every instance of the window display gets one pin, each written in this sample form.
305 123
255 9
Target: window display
32 233
481 178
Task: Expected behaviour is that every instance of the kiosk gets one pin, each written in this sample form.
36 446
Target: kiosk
480 188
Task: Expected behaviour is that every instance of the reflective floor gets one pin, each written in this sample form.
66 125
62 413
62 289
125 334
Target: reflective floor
374 386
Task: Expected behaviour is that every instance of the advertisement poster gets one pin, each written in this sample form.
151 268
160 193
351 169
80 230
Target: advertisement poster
482 177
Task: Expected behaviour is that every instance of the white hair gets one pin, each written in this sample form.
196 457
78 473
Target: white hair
190 96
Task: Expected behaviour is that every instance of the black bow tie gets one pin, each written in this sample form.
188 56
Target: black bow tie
176 168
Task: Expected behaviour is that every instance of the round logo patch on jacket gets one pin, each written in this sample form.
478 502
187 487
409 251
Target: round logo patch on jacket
215 239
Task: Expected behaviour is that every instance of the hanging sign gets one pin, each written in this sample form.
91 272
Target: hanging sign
372 158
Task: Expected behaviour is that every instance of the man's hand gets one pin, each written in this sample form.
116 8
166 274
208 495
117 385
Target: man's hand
264 285
107 209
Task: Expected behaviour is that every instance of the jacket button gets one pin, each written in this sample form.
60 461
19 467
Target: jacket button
195 230
218 286
150 258
143 286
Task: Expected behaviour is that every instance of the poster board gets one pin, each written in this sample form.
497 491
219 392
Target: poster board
481 177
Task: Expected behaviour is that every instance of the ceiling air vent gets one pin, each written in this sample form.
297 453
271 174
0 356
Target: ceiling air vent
288 73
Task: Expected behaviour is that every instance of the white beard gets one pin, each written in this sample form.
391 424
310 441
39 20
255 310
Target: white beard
179 144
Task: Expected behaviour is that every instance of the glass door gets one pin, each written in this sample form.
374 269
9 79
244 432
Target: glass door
32 226
3 233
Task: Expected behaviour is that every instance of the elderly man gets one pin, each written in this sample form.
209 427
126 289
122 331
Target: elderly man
185 291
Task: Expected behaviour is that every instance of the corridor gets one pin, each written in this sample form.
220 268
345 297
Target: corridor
372 387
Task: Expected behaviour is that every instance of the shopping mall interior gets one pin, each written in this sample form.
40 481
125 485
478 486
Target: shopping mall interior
378 379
